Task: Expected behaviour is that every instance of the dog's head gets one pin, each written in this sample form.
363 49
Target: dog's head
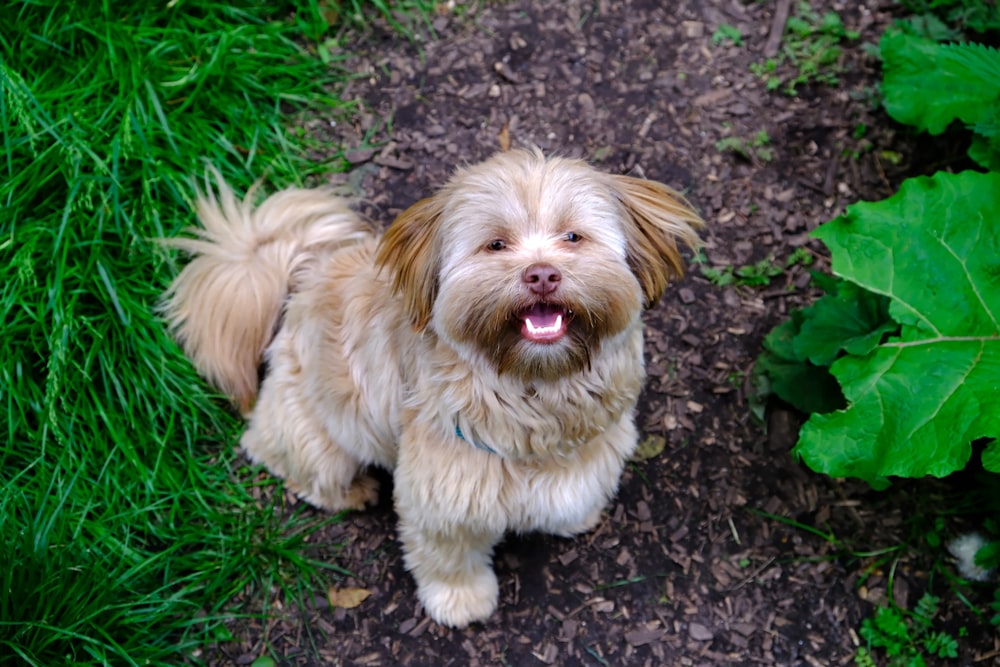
532 263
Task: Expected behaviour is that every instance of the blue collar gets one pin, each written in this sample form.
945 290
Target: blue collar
477 445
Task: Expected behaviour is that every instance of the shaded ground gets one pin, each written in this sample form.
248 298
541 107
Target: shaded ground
686 568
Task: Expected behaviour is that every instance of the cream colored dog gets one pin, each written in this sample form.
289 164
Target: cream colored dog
488 349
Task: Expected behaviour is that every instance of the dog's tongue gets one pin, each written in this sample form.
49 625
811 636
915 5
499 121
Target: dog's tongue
543 323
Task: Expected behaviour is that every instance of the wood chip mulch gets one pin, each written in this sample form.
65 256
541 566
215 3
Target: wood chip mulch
695 562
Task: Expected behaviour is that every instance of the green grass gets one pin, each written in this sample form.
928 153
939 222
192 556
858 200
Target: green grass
126 524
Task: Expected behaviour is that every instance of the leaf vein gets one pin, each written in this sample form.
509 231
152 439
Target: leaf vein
972 283
951 393
942 339
891 293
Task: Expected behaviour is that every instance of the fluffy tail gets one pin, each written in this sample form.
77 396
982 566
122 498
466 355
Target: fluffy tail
225 305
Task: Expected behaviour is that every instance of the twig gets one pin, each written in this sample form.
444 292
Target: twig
752 575
781 13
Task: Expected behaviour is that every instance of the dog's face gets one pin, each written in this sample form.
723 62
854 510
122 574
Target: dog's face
530 263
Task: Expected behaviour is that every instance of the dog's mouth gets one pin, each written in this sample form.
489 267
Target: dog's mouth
544 322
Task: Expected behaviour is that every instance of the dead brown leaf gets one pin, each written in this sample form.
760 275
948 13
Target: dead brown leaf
347 598
503 138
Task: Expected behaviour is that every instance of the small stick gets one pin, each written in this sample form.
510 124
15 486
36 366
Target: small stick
781 13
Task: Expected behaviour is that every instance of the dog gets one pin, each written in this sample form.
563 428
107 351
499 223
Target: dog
487 349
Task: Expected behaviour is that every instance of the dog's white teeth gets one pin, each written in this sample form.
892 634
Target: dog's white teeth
556 326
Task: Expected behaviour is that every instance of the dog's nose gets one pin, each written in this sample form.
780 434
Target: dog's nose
542 279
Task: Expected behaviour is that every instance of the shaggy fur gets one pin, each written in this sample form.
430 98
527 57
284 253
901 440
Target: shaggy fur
488 349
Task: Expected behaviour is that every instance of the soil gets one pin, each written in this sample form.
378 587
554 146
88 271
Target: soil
722 549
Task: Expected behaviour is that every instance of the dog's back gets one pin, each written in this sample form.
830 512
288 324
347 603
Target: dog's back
226 303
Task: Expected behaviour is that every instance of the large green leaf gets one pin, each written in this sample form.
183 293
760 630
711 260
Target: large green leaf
794 379
848 319
918 400
929 85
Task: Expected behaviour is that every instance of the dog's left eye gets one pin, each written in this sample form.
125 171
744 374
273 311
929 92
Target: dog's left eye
573 237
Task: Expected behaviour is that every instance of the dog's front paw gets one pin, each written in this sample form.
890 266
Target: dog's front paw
463 601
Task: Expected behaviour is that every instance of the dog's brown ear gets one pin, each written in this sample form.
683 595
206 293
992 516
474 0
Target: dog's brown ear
408 251
659 218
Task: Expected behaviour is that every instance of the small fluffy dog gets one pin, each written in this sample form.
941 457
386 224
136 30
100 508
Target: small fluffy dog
488 349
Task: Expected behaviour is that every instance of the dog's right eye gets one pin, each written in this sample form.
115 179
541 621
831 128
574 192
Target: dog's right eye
496 245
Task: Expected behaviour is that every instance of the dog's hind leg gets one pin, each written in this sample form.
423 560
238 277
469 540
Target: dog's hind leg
285 435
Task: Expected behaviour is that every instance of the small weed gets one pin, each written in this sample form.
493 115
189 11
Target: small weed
761 144
859 144
905 638
811 50
733 144
718 277
728 33
892 157
768 71
757 148
800 256
758 274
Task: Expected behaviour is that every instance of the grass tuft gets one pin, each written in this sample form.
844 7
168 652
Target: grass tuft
124 527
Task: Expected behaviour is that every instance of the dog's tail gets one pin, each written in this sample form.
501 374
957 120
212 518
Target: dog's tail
225 305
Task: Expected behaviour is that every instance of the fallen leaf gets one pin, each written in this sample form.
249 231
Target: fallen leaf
347 598
504 137
651 447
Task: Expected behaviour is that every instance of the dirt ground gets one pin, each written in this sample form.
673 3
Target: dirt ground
689 565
